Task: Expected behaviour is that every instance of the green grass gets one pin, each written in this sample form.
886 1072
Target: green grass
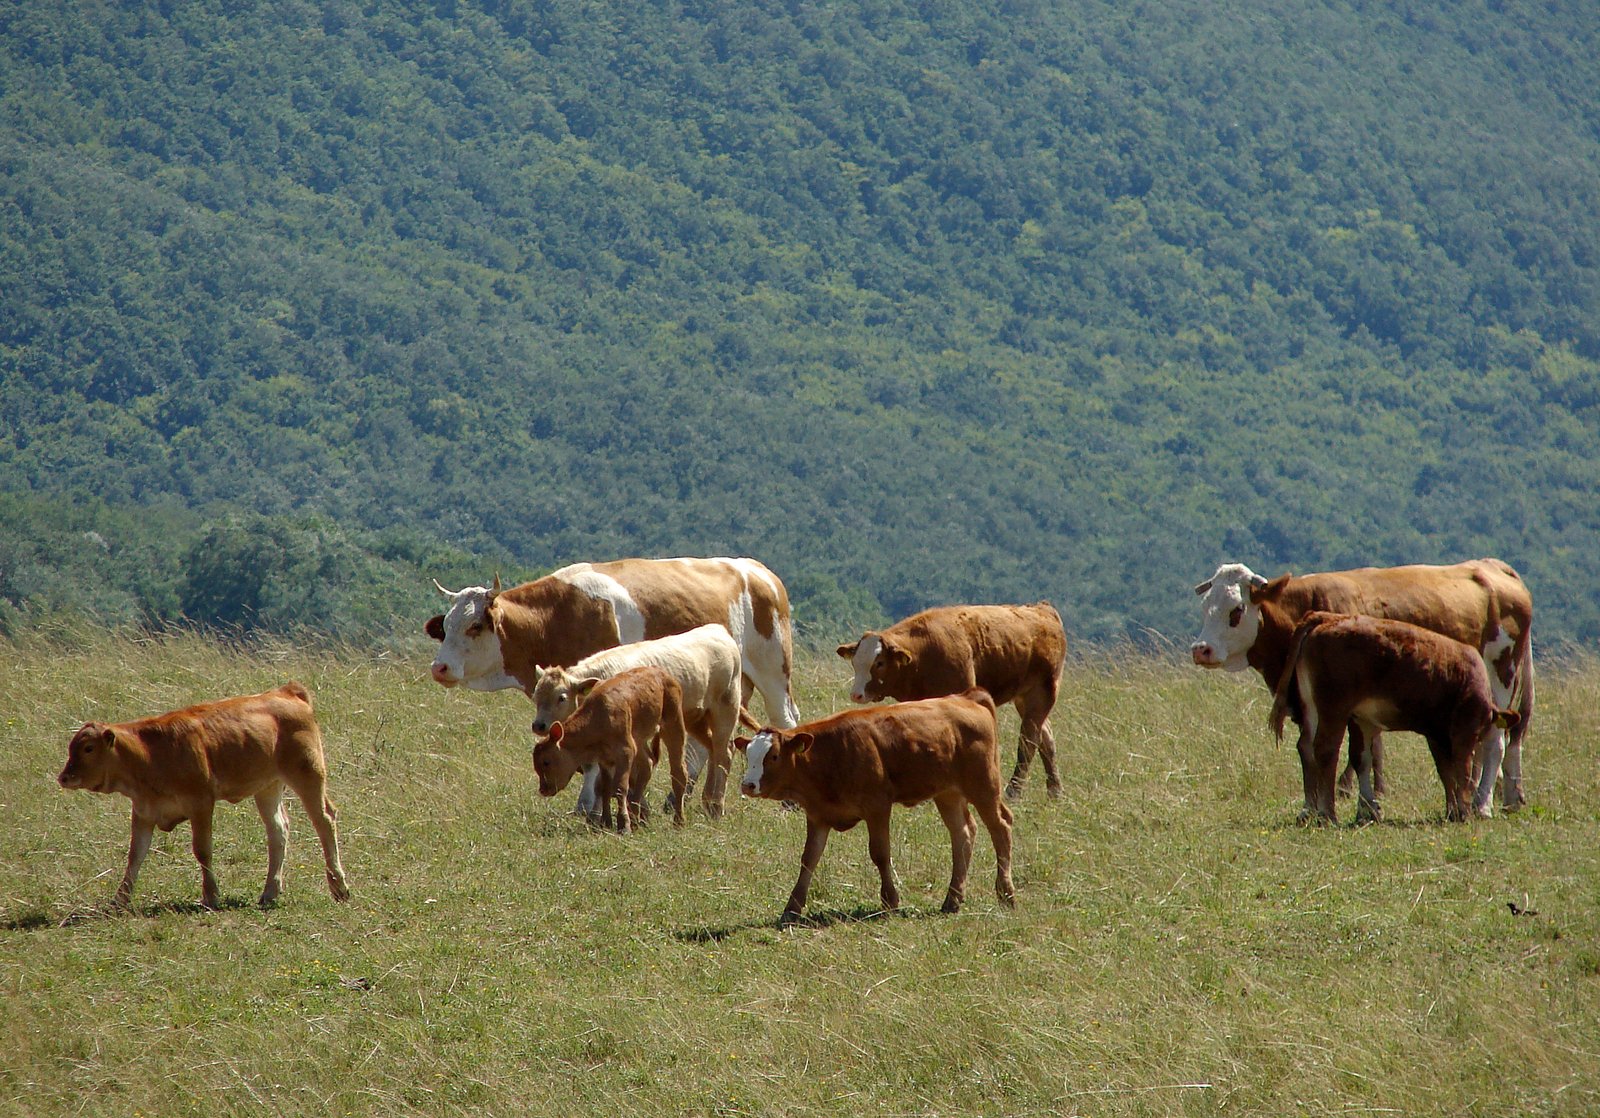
1180 946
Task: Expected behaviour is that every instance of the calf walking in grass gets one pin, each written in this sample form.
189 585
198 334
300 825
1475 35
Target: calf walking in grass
858 765
176 766
618 724
1383 675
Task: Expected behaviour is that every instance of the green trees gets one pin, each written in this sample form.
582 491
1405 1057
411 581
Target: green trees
915 302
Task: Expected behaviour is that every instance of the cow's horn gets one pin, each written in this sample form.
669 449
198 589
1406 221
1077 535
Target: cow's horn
1203 587
447 593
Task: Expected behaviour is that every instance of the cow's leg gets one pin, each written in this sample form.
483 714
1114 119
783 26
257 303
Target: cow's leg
958 821
1490 755
1325 758
620 787
773 684
200 843
816 843
721 722
269 803
672 737
1365 763
311 789
138 847
1034 708
1452 757
997 819
878 849
589 795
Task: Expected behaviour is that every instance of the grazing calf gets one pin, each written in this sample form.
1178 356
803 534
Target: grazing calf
176 766
618 726
705 664
1013 652
859 764
1384 675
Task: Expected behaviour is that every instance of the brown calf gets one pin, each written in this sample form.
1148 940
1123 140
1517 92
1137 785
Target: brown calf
618 725
1381 675
858 765
176 766
1013 652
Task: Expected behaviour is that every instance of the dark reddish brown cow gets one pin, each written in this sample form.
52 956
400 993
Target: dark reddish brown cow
1383 675
1015 653
858 765
618 725
176 766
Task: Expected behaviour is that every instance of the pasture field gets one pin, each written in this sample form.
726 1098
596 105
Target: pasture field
1180 945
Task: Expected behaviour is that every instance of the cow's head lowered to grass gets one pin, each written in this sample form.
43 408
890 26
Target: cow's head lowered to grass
1231 615
469 642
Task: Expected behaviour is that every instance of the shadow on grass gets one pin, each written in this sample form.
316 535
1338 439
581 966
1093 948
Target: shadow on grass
818 919
33 921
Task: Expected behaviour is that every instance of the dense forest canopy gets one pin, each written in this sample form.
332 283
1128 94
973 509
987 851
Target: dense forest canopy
916 302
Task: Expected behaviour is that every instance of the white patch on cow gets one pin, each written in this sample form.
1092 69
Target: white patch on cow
1221 644
474 662
741 617
1496 647
755 757
629 618
866 655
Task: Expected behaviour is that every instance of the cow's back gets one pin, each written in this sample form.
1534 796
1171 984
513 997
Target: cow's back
998 648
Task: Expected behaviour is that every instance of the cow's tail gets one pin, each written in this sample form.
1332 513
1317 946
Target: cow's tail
1286 696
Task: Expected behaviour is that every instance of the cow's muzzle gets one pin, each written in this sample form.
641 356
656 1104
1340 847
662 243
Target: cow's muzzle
1204 655
442 674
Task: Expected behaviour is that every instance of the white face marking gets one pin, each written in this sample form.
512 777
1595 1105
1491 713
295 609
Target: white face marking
472 660
866 655
1222 644
630 620
755 756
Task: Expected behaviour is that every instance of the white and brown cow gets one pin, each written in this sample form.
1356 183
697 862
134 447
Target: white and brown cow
705 664
176 766
1383 675
858 765
1249 620
619 725
492 639
1015 653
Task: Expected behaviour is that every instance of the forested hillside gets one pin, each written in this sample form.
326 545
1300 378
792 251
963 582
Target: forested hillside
303 303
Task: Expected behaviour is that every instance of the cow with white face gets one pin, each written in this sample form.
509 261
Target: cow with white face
1249 621
492 639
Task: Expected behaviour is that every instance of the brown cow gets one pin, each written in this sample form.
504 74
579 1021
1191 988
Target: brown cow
1013 652
1249 620
176 766
618 724
1383 675
859 764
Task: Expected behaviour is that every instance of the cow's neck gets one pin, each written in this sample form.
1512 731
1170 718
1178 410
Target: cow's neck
1270 652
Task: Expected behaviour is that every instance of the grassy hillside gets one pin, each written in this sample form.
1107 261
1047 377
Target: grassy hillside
916 303
1179 945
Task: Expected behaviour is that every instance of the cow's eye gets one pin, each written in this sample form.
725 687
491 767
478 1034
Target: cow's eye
1235 617
474 629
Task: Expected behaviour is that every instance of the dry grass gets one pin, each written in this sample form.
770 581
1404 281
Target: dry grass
1180 946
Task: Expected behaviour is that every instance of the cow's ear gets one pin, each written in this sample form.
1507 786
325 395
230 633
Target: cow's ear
557 732
848 651
800 742
741 744
435 627
1507 719
894 654
581 689
1267 591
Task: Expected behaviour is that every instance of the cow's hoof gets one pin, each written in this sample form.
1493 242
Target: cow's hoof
1013 792
951 905
1053 791
1368 813
1483 811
